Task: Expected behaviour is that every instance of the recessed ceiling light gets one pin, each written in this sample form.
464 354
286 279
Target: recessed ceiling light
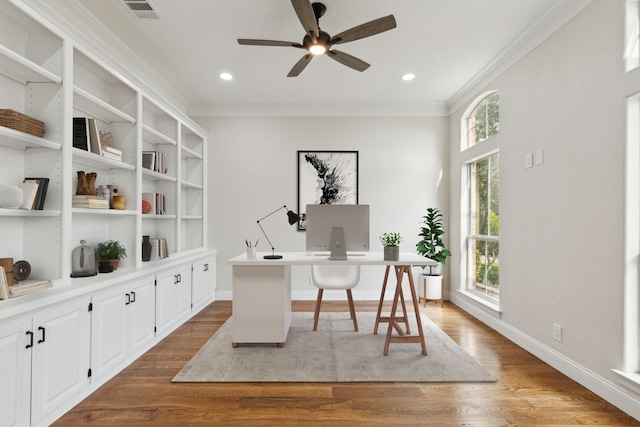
226 76
408 76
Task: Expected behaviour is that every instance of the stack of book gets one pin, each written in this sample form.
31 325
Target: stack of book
34 193
25 287
112 153
89 202
159 249
154 160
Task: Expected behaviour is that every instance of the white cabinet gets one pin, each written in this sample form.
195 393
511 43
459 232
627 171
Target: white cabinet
123 323
203 282
15 387
173 298
45 362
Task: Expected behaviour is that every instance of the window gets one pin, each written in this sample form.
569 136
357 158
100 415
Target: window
480 213
483 251
632 35
484 120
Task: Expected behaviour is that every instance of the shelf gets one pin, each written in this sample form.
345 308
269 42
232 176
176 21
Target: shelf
150 175
21 141
186 184
30 213
152 216
192 217
154 137
188 153
91 159
94 106
115 212
24 70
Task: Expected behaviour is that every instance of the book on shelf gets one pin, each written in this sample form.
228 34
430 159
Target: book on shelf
91 202
41 195
25 287
81 133
159 249
94 137
29 195
113 156
156 204
154 160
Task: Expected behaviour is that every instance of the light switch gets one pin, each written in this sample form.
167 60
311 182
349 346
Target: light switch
528 160
539 157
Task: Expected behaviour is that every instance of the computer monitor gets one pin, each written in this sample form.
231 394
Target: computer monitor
338 229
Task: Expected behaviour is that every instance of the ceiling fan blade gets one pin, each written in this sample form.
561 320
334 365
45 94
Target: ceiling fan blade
254 42
368 29
300 65
307 17
348 60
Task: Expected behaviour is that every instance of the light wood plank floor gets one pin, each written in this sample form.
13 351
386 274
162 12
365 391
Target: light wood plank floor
528 391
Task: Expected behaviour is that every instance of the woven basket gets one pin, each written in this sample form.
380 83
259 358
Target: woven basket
20 122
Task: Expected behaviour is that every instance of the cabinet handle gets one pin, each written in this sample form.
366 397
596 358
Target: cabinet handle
128 299
206 267
133 297
41 328
179 278
30 333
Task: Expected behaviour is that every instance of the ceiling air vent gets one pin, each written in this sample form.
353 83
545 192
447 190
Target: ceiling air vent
141 9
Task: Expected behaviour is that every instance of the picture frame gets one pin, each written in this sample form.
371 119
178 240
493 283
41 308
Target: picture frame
4 288
326 177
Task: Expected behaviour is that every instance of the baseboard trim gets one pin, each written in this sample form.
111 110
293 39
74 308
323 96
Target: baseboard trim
596 383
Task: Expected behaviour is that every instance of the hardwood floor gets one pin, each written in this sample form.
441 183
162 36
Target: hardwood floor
527 391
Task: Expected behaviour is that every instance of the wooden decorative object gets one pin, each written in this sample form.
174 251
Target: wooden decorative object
20 122
7 263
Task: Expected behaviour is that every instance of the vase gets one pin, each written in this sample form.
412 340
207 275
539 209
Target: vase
86 184
391 253
146 248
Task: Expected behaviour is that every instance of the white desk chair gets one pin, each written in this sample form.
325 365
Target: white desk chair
335 277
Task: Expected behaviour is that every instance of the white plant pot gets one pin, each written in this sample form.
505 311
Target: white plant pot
434 287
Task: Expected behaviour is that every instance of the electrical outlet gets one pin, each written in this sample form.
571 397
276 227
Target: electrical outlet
557 332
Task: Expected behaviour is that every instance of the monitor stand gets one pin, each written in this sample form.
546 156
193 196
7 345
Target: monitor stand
338 249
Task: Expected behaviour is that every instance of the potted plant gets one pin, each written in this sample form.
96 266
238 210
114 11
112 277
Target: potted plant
432 247
391 243
111 251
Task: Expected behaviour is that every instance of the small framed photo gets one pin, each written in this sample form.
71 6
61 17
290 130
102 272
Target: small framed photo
4 288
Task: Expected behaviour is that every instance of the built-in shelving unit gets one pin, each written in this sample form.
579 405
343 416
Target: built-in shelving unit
101 323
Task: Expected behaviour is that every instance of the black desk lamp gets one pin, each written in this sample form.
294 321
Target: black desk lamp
293 218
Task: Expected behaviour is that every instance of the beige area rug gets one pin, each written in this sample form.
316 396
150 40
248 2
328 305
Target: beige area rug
335 353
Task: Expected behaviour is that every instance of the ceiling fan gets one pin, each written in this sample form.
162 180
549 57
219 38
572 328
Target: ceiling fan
318 42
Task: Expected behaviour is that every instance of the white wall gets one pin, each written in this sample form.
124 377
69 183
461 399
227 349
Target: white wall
562 223
253 171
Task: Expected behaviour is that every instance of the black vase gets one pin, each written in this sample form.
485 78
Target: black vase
146 248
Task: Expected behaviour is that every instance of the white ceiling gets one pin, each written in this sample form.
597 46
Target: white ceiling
448 44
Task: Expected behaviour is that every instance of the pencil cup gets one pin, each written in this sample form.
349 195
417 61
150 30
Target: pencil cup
251 252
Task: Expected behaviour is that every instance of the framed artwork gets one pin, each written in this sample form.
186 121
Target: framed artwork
326 177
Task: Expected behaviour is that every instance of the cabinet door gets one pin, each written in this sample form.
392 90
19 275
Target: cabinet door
166 297
203 281
142 313
107 326
60 362
184 292
15 387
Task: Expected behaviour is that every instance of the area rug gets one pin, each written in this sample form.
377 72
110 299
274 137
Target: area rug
335 353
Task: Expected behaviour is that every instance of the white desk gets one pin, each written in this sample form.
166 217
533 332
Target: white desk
262 295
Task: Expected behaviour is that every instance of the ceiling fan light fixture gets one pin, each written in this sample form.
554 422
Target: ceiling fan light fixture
317 49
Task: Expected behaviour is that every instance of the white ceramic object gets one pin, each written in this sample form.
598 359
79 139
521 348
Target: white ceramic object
10 197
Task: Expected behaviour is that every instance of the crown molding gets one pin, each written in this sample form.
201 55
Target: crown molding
561 13
321 109
88 33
